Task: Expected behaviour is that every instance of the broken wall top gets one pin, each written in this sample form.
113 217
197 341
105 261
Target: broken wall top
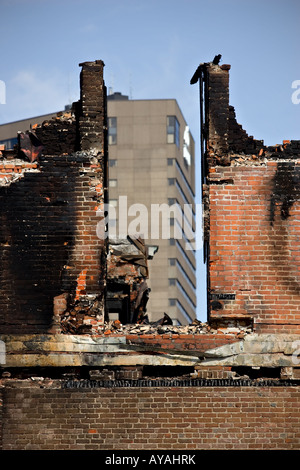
223 135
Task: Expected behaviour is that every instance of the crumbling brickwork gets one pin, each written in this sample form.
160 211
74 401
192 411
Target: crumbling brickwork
50 211
59 135
251 205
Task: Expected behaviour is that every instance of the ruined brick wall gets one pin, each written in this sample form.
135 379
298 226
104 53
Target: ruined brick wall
53 418
49 214
254 249
60 135
12 169
42 240
251 208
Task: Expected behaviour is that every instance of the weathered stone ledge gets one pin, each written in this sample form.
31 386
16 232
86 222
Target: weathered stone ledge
265 350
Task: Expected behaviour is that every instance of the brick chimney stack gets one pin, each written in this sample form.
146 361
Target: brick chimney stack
93 104
217 82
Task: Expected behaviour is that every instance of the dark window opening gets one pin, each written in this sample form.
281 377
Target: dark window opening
167 371
173 128
112 131
118 302
112 162
256 373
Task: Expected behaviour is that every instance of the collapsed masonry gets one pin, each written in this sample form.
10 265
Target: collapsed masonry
71 301
59 274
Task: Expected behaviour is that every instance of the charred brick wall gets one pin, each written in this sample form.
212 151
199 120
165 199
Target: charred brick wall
49 215
254 246
53 418
60 135
251 206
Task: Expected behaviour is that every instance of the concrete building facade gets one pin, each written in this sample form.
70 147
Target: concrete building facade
152 182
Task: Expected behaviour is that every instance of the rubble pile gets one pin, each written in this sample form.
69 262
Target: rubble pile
83 317
86 319
195 328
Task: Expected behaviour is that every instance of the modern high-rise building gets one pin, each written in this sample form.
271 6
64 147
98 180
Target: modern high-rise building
152 189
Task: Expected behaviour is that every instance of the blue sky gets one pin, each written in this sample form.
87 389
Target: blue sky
151 49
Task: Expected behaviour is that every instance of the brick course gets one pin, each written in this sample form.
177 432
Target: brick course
157 418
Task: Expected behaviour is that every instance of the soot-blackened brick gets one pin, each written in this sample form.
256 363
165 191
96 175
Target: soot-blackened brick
49 215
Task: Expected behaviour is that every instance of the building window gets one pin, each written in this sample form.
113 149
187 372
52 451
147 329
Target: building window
172 302
171 181
170 161
172 261
173 130
9 143
172 282
112 162
171 242
112 183
112 131
185 294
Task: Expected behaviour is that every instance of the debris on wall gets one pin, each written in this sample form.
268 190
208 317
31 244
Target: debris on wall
127 273
58 135
83 316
